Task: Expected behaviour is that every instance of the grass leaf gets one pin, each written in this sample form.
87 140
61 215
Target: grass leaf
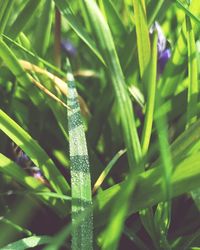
82 237
35 152
29 242
106 44
142 32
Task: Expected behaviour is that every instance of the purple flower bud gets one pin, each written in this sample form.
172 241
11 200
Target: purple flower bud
164 53
68 48
162 41
163 58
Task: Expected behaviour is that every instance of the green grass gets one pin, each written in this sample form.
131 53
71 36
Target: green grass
112 136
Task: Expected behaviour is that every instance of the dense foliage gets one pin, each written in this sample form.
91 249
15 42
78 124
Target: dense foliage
99 124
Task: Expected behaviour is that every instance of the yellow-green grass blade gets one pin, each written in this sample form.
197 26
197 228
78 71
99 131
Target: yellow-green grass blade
162 215
106 45
118 214
82 236
142 33
188 12
35 153
192 88
151 93
192 74
107 170
185 178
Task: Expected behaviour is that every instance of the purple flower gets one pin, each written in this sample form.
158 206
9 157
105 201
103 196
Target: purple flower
68 48
163 59
164 53
23 161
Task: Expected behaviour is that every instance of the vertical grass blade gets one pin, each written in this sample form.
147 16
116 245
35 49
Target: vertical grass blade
163 211
6 8
151 87
44 28
106 45
142 32
82 237
192 74
119 214
192 88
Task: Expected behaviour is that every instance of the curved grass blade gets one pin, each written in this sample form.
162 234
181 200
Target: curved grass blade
37 155
29 242
184 179
107 170
15 226
10 168
103 35
82 237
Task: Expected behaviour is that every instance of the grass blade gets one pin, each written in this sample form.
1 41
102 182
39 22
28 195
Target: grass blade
82 237
176 64
142 32
35 153
107 170
192 74
65 9
118 215
106 44
44 28
151 85
29 242
10 168
23 18
6 9
184 179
